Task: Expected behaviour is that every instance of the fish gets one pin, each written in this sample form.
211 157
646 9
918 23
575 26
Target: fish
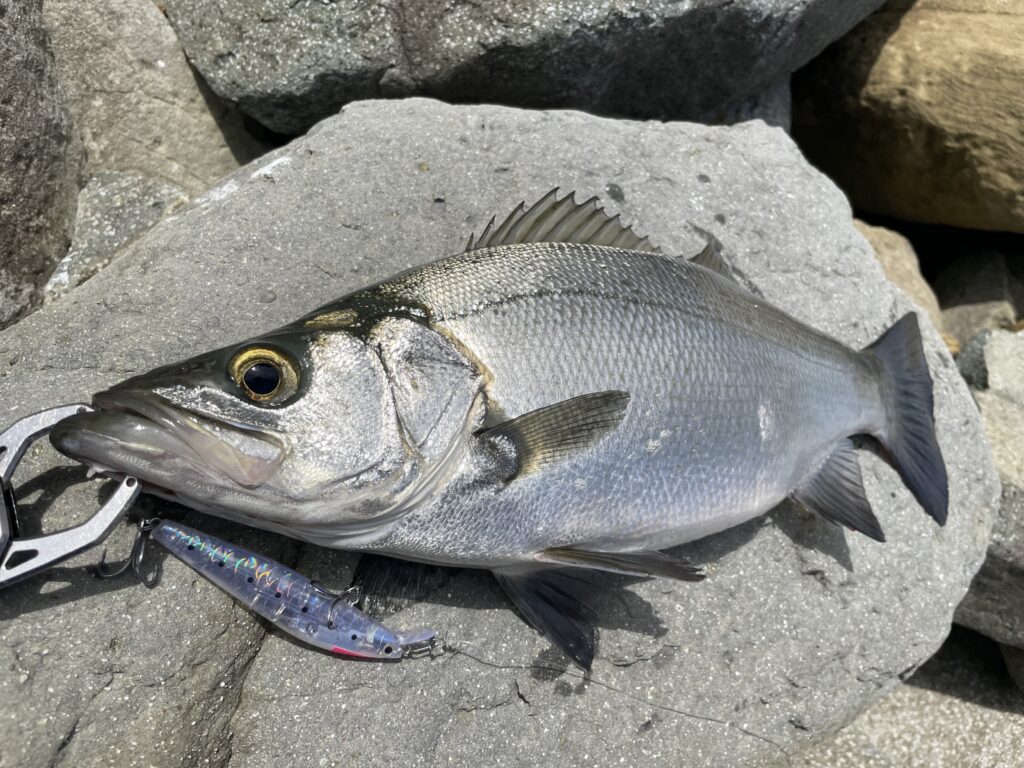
285 597
559 398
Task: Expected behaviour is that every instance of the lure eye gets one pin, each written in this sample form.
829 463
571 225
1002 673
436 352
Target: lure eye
264 375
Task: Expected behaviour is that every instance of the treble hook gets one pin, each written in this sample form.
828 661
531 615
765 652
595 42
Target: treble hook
134 561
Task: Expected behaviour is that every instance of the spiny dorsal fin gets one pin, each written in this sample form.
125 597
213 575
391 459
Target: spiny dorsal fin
556 432
836 492
627 563
711 257
551 220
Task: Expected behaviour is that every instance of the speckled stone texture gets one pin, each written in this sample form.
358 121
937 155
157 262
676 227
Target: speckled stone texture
289 64
39 160
796 629
959 709
993 364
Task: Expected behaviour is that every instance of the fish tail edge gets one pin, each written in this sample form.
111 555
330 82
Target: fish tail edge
909 431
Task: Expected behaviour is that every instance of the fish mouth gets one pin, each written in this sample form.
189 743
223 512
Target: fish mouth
139 433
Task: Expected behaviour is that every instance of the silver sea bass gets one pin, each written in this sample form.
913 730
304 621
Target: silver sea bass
557 395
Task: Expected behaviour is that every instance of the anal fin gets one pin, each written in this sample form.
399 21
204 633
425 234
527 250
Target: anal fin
627 563
836 492
558 603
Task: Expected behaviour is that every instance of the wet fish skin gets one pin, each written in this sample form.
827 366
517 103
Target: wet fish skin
529 404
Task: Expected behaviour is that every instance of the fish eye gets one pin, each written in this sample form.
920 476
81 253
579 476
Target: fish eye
264 375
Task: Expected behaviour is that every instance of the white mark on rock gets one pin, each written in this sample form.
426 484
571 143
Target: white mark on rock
218 193
267 171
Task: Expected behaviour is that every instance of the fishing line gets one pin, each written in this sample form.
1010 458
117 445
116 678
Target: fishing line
586 678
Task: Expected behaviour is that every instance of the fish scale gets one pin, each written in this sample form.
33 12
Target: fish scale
690 366
558 398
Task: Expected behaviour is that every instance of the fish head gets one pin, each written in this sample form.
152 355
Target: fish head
292 430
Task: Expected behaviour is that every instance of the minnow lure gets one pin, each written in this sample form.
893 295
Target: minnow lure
285 598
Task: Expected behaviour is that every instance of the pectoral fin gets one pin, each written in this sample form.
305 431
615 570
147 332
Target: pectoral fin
386 586
628 563
836 492
556 432
557 602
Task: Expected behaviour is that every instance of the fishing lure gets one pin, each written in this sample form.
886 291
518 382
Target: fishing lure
286 598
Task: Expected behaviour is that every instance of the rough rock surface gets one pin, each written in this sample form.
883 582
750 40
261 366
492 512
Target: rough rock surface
292 64
38 159
137 104
899 262
798 626
959 709
114 208
994 362
917 113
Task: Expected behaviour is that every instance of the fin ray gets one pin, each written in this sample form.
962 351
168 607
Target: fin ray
558 603
836 492
909 433
554 220
627 563
556 432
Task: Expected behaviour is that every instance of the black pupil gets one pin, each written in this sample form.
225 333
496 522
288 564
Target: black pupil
262 378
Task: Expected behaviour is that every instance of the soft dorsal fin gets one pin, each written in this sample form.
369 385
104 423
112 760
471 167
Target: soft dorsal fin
551 220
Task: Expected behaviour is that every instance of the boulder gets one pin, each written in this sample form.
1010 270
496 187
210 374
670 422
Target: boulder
38 160
959 709
292 64
978 291
994 362
114 208
138 105
916 113
899 262
797 628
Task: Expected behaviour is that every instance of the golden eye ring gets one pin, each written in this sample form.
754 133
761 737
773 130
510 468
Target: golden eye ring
264 375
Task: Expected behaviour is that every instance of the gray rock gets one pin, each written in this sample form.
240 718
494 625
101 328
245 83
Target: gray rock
1014 659
797 628
113 209
38 160
292 64
959 709
138 105
978 290
995 603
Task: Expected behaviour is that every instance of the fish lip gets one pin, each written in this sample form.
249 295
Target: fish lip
186 436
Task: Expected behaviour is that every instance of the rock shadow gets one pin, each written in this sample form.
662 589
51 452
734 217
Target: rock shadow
969 666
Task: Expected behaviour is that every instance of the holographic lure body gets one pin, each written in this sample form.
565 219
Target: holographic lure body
285 598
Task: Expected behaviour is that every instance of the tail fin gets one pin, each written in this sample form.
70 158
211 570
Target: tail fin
909 432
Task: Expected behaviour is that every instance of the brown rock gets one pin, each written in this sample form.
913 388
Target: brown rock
919 112
38 160
899 262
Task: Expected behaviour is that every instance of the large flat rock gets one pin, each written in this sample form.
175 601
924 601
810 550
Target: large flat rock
798 627
289 64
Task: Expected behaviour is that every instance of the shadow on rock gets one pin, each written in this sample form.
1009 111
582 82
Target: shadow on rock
969 667
810 531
